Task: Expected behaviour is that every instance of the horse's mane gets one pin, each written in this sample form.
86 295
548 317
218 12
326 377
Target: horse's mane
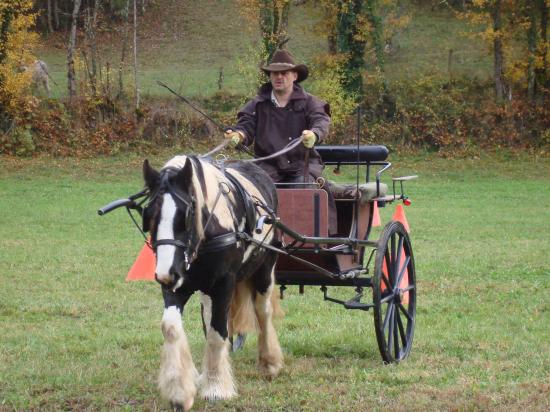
205 181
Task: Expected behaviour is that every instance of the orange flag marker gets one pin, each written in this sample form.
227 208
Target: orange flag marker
376 215
399 216
144 266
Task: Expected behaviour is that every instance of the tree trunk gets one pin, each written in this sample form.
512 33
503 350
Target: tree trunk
376 31
90 25
121 93
266 27
274 24
49 9
532 50
496 14
136 89
543 79
70 53
56 14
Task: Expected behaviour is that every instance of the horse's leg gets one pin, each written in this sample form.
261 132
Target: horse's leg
217 378
270 356
177 371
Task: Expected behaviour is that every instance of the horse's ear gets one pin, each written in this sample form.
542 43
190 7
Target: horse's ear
185 175
150 175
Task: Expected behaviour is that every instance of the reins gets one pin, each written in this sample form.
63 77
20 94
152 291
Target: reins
240 147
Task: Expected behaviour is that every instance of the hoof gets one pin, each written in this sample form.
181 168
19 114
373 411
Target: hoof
182 407
270 370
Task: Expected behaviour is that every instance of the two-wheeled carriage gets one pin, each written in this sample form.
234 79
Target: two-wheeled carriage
309 255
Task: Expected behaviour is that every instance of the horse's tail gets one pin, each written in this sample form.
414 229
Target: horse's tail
242 317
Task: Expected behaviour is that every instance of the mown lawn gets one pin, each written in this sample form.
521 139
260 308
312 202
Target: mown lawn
75 336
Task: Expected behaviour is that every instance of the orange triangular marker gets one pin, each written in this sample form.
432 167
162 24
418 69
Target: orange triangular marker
399 216
144 266
376 215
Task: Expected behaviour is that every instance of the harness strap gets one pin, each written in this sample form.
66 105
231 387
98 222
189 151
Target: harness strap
173 242
250 211
220 242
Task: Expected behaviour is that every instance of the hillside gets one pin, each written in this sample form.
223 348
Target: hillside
186 43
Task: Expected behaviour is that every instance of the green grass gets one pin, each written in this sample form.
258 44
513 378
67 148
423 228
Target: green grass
184 44
75 336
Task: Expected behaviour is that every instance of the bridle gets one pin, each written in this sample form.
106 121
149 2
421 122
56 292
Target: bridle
166 186
192 243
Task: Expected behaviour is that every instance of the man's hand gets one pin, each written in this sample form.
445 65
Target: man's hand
309 138
235 137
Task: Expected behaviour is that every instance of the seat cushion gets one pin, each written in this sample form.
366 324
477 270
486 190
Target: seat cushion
367 191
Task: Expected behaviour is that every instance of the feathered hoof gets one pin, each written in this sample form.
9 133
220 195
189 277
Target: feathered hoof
214 393
172 389
270 370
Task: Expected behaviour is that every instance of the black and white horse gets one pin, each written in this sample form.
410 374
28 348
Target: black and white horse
195 217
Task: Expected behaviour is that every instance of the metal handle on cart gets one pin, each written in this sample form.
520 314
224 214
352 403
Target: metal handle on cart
130 203
115 205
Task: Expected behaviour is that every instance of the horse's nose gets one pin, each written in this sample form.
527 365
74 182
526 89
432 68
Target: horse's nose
173 277
165 278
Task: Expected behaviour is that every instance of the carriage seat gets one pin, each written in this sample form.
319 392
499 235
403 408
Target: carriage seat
348 153
367 191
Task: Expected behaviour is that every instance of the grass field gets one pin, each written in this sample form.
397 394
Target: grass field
75 336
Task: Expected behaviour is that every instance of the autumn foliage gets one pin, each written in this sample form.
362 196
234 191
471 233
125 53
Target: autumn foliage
16 45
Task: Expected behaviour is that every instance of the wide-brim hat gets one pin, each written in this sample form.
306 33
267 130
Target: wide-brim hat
283 60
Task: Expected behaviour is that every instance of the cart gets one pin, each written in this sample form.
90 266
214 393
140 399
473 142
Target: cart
309 256
350 258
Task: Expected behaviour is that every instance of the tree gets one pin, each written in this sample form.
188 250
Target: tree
272 16
16 44
507 24
71 74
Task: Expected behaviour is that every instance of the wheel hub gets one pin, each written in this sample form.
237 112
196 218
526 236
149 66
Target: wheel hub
399 295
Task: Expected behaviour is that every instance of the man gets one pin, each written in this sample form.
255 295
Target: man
281 112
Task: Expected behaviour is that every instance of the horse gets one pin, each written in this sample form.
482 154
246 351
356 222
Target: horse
40 75
201 218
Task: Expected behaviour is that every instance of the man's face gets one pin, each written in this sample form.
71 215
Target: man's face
282 81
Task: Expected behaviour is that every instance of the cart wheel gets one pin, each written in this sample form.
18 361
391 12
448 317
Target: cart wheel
394 293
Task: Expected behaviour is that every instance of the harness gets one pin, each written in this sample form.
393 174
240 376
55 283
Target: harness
195 246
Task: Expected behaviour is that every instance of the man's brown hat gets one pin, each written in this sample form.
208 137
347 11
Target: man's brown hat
283 60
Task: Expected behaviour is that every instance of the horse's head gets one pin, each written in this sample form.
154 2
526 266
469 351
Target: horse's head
171 219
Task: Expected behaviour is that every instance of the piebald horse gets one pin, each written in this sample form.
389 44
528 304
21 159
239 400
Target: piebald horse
196 217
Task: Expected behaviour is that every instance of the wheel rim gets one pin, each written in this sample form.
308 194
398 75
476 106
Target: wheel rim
394 293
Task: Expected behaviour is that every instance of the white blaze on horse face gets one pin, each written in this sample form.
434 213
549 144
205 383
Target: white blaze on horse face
165 253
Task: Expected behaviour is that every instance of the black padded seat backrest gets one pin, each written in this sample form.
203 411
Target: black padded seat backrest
348 153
